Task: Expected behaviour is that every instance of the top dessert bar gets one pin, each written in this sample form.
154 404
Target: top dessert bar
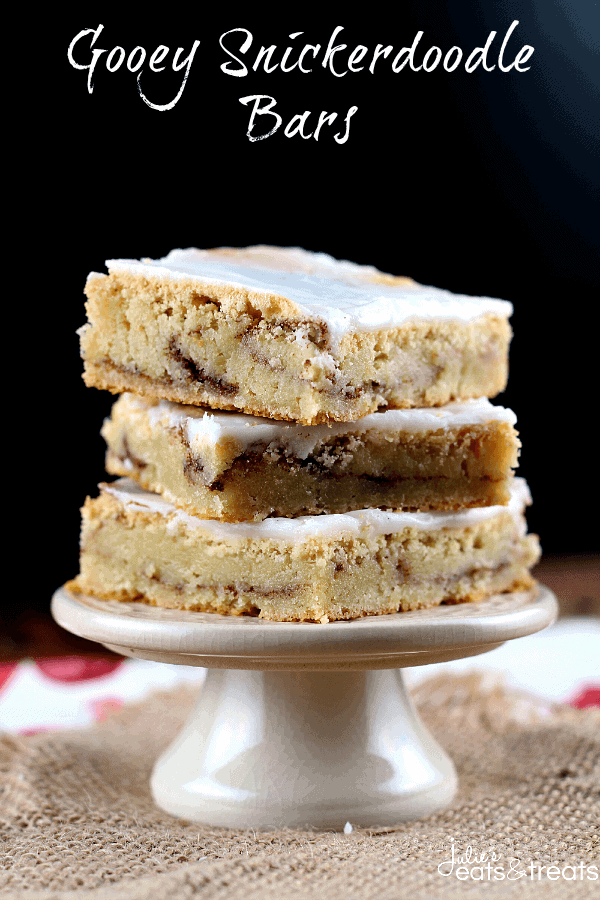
288 334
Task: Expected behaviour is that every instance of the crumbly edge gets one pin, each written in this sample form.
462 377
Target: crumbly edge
231 603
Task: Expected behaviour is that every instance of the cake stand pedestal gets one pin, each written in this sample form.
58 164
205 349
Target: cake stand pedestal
301 724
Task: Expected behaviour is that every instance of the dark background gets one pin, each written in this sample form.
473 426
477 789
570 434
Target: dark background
483 183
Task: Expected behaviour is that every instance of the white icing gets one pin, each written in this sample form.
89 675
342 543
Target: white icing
205 428
303 528
338 293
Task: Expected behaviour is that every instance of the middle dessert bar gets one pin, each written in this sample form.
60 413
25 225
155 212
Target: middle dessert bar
237 468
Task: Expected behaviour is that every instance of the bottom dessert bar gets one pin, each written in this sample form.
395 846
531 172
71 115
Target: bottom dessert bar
137 546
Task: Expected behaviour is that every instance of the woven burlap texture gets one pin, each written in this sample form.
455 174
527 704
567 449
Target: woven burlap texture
77 818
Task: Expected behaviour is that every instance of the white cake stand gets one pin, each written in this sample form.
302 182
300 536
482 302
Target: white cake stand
302 724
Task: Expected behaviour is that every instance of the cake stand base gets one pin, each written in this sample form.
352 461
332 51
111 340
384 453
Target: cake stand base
265 749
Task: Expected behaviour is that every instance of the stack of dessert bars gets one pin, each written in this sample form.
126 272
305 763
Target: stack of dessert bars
299 438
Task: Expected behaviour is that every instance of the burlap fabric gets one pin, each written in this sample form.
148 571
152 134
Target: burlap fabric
77 819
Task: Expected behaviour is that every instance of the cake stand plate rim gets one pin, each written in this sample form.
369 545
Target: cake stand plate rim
430 631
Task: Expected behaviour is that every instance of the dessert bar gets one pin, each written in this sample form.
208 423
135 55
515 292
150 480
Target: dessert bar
235 467
288 334
137 546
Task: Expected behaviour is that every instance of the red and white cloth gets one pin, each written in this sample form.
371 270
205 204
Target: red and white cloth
72 691
561 664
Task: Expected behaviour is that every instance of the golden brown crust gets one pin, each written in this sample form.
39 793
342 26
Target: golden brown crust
217 604
252 493
109 377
